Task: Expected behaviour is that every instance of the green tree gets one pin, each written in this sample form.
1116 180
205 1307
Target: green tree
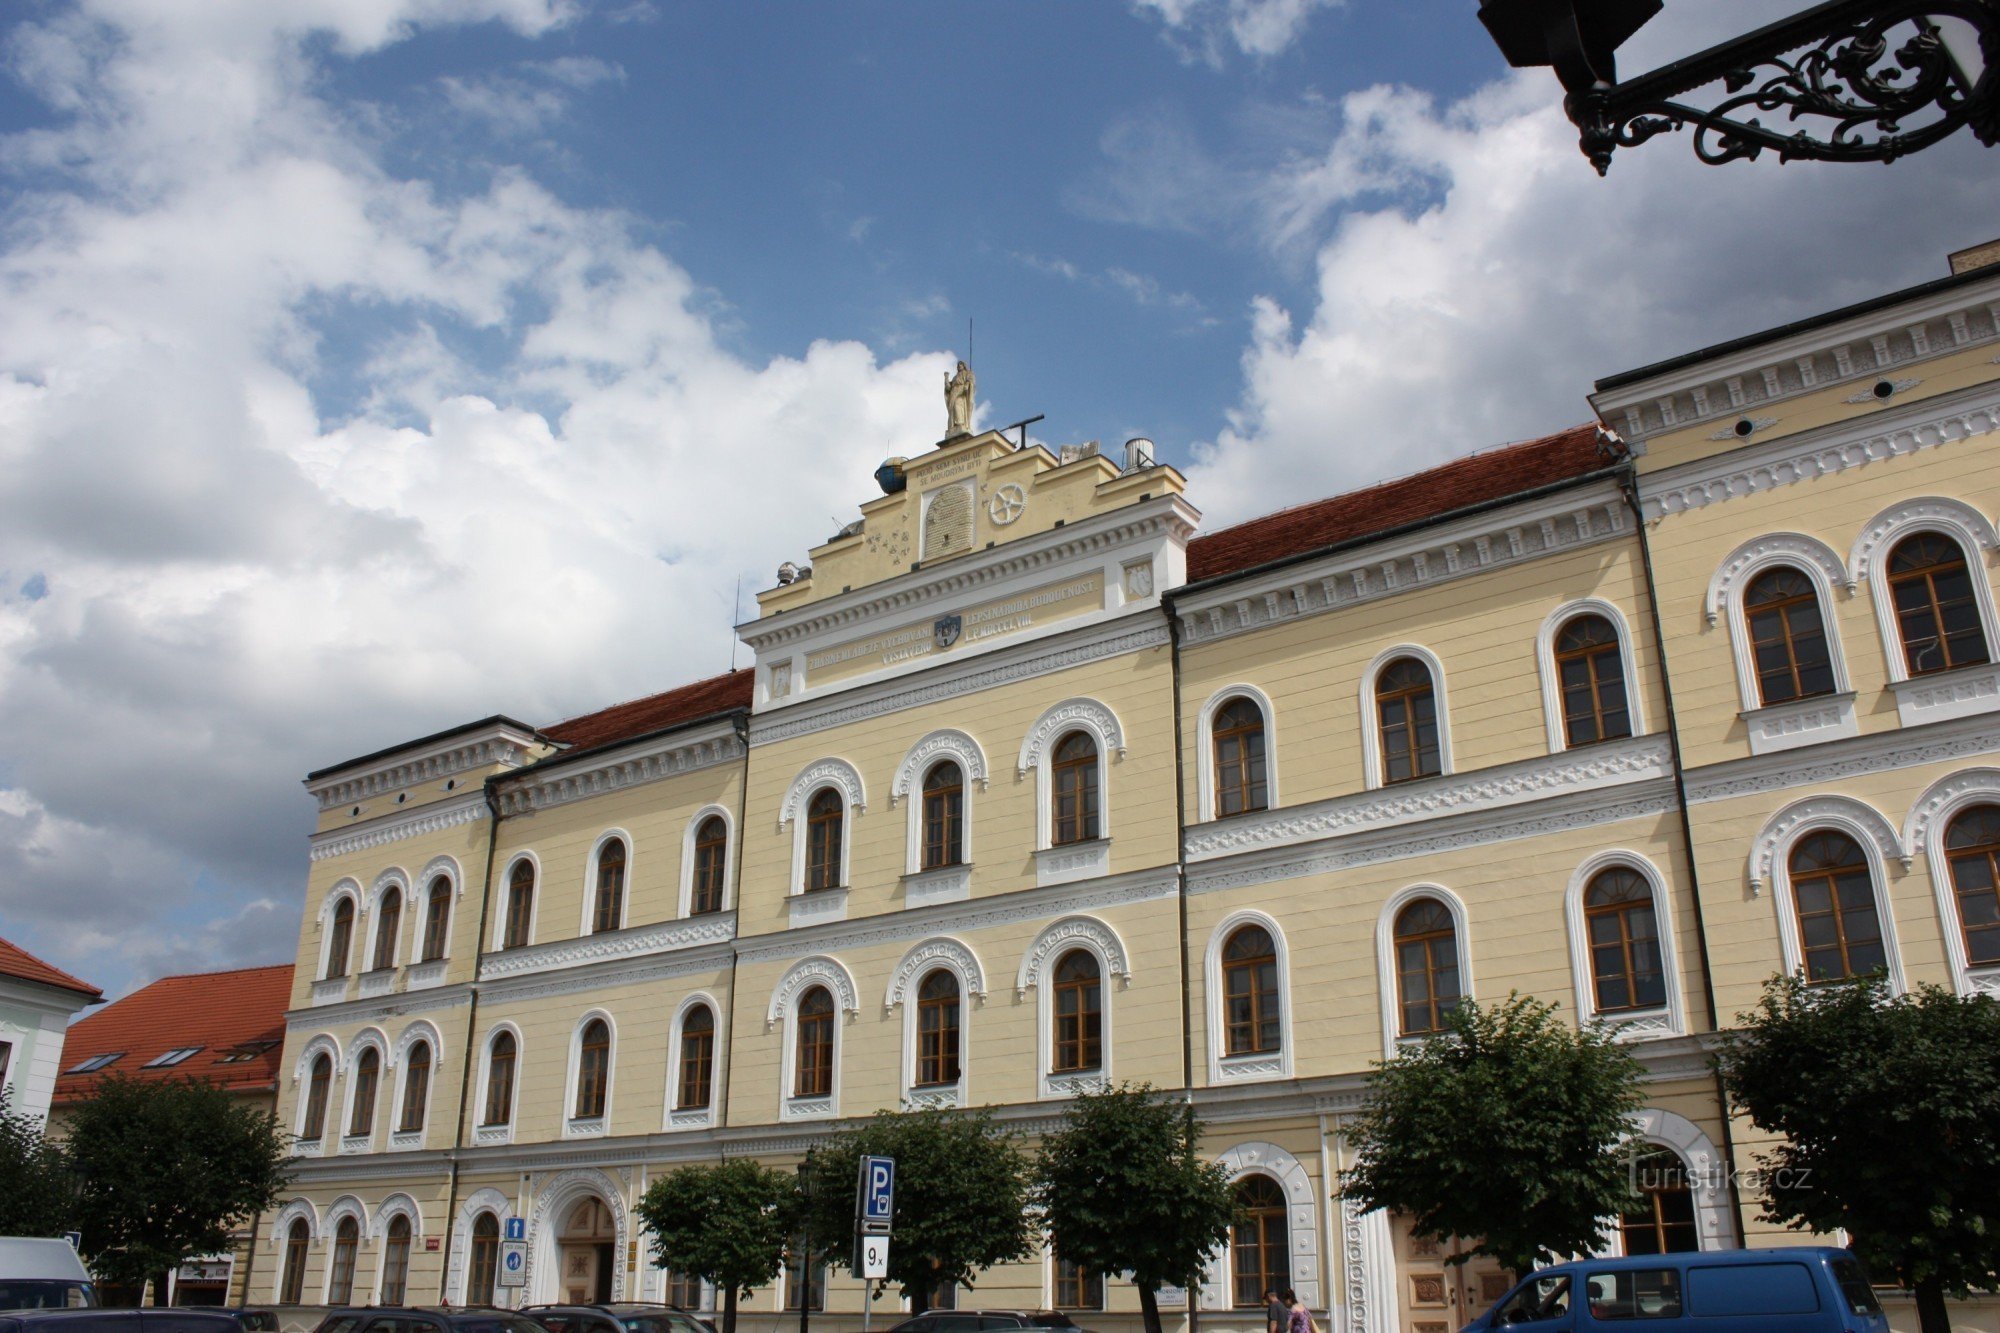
726 1224
37 1187
166 1169
1124 1187
1506 1126
961 1196
1889 1108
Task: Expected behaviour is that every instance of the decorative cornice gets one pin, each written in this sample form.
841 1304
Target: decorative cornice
1640 759
609 946
321 1016
500 744
395 828
665 758
1939 742
687 960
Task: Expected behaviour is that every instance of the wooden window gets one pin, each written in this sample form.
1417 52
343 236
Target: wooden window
937 1029
683 1291
1073 769
697 1059
1406 712
416 1088
1936 612
396 1262
388 924
810 1294
520 904
1623 929
367 1074
608 909
1250 992
1238 742
1787 636
1079 1013
1077 1289
711 864
437 919
319 1086
1257 1241
340 1276
944 816
1662 1222
1426 966
812 1073
1839 931
340 937
824 817
593 1069
500 1080
298 1237
1591 672
1972 848
485 1263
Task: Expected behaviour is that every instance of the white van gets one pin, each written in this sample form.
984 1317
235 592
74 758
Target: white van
42 1275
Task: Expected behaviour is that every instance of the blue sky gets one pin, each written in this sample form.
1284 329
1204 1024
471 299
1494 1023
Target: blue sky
371 365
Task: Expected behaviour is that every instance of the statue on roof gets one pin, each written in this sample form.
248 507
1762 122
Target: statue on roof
958 402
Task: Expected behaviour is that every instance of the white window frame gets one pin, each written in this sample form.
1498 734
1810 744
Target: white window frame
1256 1067
590 863
458 1271
506 889
1114 970
956 957
323 1043
1715 1224
685 906
1371 717
1387 979
1545 660
1924 831
1204 739
350 888
1079 714
946 743
424 1033
396 1205
1670 1017
393 878
345 1206
1822 567
575 1126
1302 1227
1947 517
1770 863
484 1132
370 1038
677 1118
817 970
448 867
829 774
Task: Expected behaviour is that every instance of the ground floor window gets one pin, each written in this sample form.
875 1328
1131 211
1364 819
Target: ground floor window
1662 1222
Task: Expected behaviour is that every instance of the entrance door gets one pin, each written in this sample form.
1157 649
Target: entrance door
1437 1297
588 1247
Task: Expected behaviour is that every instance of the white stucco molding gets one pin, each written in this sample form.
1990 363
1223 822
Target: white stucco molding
1070 715
944 743
1924 832
831 772
1302 1224
1058 937
818 970
942 951
1955 519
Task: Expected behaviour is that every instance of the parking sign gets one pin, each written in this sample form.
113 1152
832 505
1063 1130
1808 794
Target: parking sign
876 1206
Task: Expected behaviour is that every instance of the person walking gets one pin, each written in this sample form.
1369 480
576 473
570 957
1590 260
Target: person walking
1277 1316
1299 1318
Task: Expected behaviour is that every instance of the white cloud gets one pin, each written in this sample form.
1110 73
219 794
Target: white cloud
1254 27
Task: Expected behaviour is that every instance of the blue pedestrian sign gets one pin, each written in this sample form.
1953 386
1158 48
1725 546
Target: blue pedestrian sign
875 1207
517 1228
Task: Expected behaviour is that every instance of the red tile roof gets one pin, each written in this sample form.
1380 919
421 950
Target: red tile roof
18 963
221 1012
1459 484
655 712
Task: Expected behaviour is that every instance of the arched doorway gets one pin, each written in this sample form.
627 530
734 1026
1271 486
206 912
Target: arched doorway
587 1249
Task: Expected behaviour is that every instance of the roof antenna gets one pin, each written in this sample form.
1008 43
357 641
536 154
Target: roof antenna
735 604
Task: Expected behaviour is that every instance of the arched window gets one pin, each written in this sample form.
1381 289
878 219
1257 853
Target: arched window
1624 931
1426 966
1079 1013
416 1088
520 904
396 1261
944 816
1257 1240
297 1237
812 1073
1936 614
1839 931
697 1059
1238 738
340 1277
937 1029
1073 771
1590 667
367 1075
319 1086
824 817
500 1080
485 1263
711 860
1662 1222
1787 636
609 904
340 937
1972 848
437 919
388 924
1250 992
1406 714
593 1069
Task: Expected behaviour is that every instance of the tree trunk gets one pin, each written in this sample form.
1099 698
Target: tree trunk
1149 1304
729 1311
1933 1315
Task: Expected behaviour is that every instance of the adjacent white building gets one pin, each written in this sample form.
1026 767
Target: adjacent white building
36 1003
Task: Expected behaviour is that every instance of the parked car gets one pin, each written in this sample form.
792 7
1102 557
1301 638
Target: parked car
425 1319
255 1319
41 1274
1802 1289
619 1317
148 1319
976 1321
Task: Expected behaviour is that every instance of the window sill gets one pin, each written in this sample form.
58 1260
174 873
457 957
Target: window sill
487 1136
1251 1067
1983 980
406 1140
423 976
1943 695
307 1147
806 1108
816 906
1074 1082
356 1143
330 991
935 1096
1072 861
586 1127
1639 1024
1799 722
691 1117
945 884
381 981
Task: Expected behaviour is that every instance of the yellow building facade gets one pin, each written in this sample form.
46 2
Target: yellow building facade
1034 788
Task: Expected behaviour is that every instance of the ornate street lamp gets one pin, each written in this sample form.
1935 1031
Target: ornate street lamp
1846 81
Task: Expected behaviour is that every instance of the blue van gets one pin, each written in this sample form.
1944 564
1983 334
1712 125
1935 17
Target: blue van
1804 1289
